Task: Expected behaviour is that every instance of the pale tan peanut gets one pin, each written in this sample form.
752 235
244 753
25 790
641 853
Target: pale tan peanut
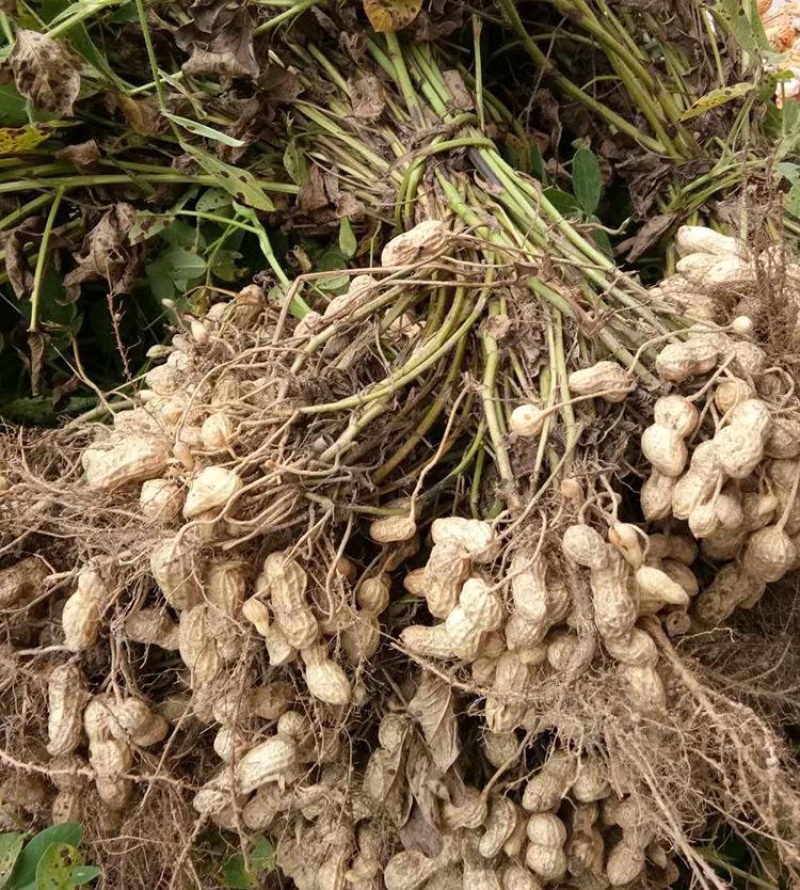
212 488
425 240
769 554
656 496
749 360
681 574
551 784
66 698
271 700
606 380
585 848
474 535
518 839
409 870
414 582
164 380
730 393
703 520
479 875
161 500
197 646
286 582
80 620
724 543
522 633
754 414
257 613
637 649
681 548
500 748
591 779
429 642
397 527
374 593
694 266
116 464
447 569
729 272
702 239
22 582
782 475
111 759
470 811
677 362
627 539
272 761
324 678
515 877
614 608
700 481
394 557
677 623
225 585
359 288
134 722
479 612
665 449
624 864
361 639
545 854
506 703
228 742
217 432
583 545
656 589
483 670
178 571
643 688
728 508
783 438
561 649
527 421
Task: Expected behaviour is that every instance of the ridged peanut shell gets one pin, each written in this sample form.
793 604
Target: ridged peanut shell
583 545
66 699
783 439
324 678
643 689
426 239
271 761
550 785
637 649
678 413
160 500
178 571
80 620
474 535
527 421
606 379
769 554
656 496
730 393
677 362
665 449
212 488
131 460
447 569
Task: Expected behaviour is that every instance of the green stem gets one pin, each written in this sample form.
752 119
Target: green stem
41 260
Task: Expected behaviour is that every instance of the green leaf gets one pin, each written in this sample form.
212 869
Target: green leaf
226 265
563 202
296 164
12 107
54 869
181 264
10 845
85 874
239 183
262 856
791 201
65 833
741 18
213 199
716 98
236 877
205 131
347 238
180 233
586 180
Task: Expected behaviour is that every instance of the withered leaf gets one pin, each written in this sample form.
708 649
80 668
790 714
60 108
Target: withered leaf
366 96
37 344
107 254
432 707
313 195
19 272
349 207
220 38
462 98
82 155
276 84
633 248
45 73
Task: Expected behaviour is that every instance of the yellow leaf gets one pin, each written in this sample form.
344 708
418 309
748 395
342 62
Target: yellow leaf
391 15
18 140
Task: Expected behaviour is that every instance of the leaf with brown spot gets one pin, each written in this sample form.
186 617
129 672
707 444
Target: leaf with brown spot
45 73
432 707
391 15
462 97
17 268
220 38
366 96
82 155
107 254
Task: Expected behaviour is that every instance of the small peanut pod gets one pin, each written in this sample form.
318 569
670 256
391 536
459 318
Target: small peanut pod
178 571
361 639
479 612
123 462
394 528
643 688
217 432
637 649
475 536
702 239
499 824
591 779
739 450
515 877
627 540
160 500
324 678
272 761
529 587
80 618
783 439
731 393
699 482
656 496
681 574
551 784
22 582
656 589
527 421
724 543
66 698
678 361
426 239
583 545
586 847
624 864
614 609
111 759
501 749
374 593
606 380
429 642
665 449
134 722
730 588
506 704
212 488
447 569
769 554
695 266
286 581
198 647
545 854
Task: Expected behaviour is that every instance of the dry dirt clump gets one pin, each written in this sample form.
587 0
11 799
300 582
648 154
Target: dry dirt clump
253 601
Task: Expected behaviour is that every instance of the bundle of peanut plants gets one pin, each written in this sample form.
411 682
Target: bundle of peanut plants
433 570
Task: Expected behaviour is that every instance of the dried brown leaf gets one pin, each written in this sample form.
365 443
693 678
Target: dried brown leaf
220 38
366 96
432 707
45 73
462 97
82 155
